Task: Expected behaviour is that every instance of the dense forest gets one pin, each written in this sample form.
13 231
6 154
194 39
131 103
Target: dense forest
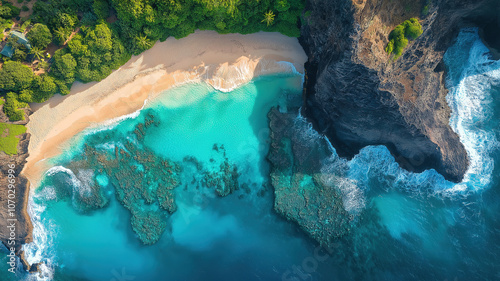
93 37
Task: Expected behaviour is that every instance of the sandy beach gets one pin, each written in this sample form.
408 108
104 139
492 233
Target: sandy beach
224 61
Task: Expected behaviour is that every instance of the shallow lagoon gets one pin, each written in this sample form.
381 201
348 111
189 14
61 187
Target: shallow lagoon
207 235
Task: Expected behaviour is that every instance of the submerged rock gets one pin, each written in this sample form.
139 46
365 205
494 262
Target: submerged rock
149 226
143 181
316 208
224 176
300 194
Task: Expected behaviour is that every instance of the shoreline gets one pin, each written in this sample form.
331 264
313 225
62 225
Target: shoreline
223 61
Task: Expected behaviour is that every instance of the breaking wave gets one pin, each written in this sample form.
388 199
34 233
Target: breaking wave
472 75
39 251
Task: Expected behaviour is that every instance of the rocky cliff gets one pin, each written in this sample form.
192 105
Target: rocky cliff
14 206
357 95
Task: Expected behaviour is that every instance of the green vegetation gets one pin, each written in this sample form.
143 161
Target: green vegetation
157 20
24 26
24 87
398 39
8 139
5 23
8 11
425 9
37 53
268 18
97 51
12 107
14 76
39 36
94 47
5 12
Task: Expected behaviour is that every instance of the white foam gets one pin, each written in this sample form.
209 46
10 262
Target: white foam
245 72
112 123
470 79
39 251
307 132
48 193
76 183
86 180
110 146
333 170
472 105
81 185
57 169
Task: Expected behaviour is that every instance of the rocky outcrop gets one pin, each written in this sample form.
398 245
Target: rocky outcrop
12 165
23 223
300 192
357 95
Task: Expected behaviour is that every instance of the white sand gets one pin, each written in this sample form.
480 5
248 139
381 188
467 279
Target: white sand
224 61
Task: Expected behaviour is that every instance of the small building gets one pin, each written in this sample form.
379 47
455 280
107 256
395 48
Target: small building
8 51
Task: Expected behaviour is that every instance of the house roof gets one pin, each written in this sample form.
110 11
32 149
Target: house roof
21 39
8 51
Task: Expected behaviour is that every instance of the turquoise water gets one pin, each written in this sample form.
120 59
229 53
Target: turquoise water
408 226
239 231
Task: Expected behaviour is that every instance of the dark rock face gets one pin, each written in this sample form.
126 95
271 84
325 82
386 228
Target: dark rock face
357 95
488 20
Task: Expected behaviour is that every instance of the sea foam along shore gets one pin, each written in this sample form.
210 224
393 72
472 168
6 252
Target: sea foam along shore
224 61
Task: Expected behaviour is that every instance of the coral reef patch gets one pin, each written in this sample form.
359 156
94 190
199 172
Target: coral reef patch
300 193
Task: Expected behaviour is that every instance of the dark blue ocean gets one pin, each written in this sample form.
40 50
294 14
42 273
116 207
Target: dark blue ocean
408 226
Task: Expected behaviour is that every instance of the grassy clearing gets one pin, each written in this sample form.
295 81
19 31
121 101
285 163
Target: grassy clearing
8 137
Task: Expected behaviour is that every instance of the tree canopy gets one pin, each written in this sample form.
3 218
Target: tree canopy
7 11
98 46
39 36
156 20
11 107
97 52
398 38
14 76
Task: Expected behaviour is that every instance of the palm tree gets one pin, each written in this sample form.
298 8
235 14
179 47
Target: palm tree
61 35
37 53
268 18
143 42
